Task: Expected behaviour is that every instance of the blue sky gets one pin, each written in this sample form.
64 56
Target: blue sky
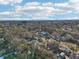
55 1
39 9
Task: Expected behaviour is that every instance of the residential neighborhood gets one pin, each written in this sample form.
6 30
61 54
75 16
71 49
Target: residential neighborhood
39 40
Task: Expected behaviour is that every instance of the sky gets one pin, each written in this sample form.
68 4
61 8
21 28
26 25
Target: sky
39 9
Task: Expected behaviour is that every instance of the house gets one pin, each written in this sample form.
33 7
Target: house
67 28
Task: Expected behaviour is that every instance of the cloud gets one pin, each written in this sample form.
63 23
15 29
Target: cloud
10 1
66 18
74 4
61 4
32 10
71 5
38 10
14 19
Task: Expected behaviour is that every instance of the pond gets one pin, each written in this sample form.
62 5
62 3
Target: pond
2 57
